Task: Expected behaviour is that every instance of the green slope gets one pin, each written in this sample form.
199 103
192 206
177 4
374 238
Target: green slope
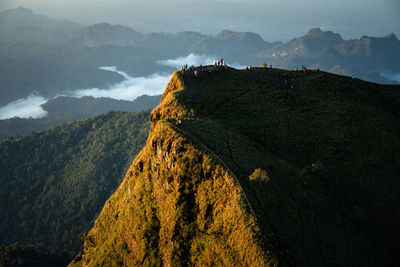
331 148
53 183
259 175
32 255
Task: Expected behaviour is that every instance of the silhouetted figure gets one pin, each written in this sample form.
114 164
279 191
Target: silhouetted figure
285 82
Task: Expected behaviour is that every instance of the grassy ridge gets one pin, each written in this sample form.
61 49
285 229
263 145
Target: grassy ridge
318 164
330 147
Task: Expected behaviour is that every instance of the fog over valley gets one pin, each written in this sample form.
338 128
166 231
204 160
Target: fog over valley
29 107
391 76
128 89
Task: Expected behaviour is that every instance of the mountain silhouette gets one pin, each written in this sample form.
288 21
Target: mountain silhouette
310 44
23 24
104 33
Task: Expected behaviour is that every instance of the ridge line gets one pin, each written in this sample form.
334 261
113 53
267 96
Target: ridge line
221 161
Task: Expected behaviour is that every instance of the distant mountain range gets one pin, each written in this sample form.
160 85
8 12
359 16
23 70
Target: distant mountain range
104 33
308 45
42 55
23 25
51 55
233 46
366 57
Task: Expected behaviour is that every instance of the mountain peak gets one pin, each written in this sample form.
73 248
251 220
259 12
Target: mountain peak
392 36
248 36
225 33
104 33
314 30
19 12
318 33
309 44
12 19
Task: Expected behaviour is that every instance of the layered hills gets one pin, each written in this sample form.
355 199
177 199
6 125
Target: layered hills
368 57
102 34
24 25
51 57
310 44
259 173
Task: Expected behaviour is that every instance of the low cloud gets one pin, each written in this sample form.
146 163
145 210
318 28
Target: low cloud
130 88
24 108
391 76
114 69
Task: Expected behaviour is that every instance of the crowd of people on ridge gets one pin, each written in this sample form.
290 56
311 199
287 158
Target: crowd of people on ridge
193 70
287 82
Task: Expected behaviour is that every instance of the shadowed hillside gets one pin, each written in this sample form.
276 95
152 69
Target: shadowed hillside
259 174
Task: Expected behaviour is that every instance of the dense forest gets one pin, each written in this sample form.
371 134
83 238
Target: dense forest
32 255
54 183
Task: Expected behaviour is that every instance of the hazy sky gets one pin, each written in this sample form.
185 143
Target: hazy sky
273 19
